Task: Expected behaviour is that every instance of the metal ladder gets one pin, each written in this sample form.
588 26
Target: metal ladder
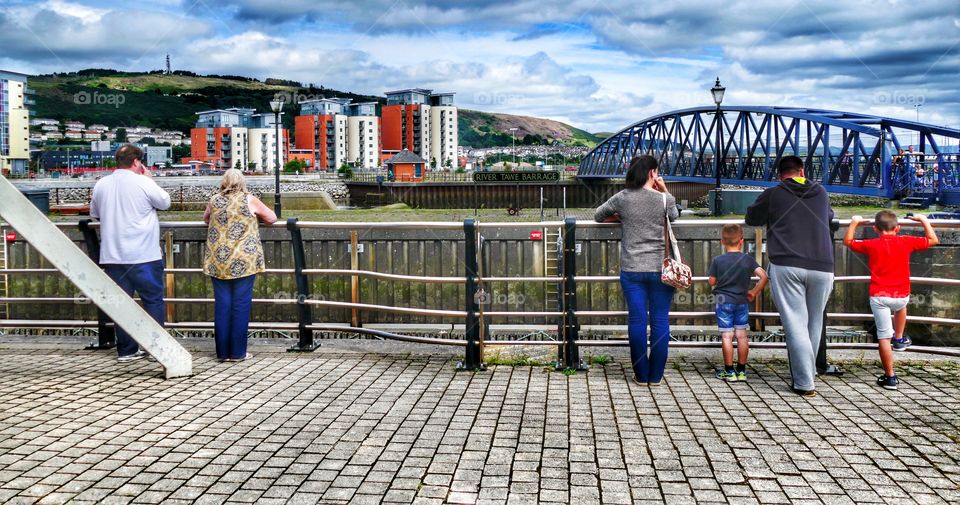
553 245
4 288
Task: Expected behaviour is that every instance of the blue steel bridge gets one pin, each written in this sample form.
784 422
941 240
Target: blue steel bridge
847 152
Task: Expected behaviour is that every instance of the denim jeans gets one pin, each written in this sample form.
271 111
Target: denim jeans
147 280
233 299
648 301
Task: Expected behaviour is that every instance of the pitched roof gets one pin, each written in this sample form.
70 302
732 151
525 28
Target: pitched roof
405 156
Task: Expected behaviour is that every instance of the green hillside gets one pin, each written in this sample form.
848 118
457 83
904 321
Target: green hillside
170 102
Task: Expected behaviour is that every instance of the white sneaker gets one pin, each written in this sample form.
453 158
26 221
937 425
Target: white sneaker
132 357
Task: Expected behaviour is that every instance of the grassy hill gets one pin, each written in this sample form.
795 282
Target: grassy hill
484 129
170 102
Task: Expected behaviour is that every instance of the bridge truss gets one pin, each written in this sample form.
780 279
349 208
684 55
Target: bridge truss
847 152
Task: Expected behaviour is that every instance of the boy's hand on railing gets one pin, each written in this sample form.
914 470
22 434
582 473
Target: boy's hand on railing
920 218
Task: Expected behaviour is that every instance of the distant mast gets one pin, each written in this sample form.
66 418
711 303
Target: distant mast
169 72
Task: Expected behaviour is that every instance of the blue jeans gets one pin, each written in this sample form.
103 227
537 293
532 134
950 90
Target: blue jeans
231 315
648 301
147 280
733 316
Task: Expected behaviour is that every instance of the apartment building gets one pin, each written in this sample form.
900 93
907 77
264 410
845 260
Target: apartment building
237 138
330 132
14 123
422 122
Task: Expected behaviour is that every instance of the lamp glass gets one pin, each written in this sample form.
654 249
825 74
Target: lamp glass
717 91
276 105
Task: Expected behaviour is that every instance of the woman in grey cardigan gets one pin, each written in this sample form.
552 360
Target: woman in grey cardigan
640 208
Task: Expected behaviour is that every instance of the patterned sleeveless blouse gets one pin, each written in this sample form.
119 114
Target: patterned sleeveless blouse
234 250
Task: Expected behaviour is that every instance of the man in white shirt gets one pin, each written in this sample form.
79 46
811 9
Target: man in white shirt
126 203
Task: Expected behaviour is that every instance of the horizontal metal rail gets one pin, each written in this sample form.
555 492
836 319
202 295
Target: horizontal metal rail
924 281
458 226
382 275
42 324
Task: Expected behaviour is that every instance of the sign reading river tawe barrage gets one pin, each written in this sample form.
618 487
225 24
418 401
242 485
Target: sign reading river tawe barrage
513 177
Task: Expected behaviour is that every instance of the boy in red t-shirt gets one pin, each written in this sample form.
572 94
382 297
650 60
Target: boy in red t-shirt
889 260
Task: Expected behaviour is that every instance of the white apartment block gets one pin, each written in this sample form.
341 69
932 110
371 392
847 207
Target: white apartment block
443 136
263 148
14 123
363 147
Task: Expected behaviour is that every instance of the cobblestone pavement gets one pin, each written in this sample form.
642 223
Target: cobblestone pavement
351 425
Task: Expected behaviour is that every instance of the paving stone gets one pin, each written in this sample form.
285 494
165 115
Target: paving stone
399 427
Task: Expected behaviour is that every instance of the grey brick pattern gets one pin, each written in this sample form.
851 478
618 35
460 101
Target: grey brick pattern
376 427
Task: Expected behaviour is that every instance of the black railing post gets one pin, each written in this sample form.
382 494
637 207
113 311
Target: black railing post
473 358
106 334
304 312
571 354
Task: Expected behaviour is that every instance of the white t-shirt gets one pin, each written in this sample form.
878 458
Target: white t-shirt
126 205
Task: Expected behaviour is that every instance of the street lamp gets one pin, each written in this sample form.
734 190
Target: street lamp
513 139
717 91
276 106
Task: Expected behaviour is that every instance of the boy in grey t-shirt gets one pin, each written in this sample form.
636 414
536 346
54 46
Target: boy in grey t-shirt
730 275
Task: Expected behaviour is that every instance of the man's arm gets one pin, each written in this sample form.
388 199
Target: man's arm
758 212
94 204
932 238
159 198
851 234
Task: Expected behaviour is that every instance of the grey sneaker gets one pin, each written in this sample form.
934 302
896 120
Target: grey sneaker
132 357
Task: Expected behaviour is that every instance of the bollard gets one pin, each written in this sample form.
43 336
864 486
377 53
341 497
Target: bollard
304 313
106 336
571 327
473 359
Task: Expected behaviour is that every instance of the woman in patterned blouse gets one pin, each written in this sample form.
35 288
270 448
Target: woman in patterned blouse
234 257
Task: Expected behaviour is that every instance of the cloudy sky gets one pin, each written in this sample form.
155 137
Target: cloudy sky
597 64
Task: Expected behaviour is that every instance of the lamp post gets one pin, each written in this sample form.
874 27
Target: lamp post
276 106
717 91
513 141
916 107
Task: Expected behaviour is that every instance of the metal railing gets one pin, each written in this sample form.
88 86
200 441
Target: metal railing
475 318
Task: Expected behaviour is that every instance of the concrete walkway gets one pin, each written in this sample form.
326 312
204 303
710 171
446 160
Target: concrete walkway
371 422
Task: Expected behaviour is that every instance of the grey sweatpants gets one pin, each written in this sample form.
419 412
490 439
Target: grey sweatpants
801 297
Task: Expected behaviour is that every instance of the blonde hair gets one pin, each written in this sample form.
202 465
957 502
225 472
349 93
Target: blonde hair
233 180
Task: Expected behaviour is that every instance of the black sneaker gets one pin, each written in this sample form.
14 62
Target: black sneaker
901 344
887 382
806 393
833 370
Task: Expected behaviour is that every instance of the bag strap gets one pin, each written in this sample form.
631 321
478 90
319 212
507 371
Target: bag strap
669 240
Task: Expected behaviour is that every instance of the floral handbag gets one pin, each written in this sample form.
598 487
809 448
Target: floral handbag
674 272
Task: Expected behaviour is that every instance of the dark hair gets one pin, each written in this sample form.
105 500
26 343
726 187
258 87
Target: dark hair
885 220
127 154
639 171
730 234
789 165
